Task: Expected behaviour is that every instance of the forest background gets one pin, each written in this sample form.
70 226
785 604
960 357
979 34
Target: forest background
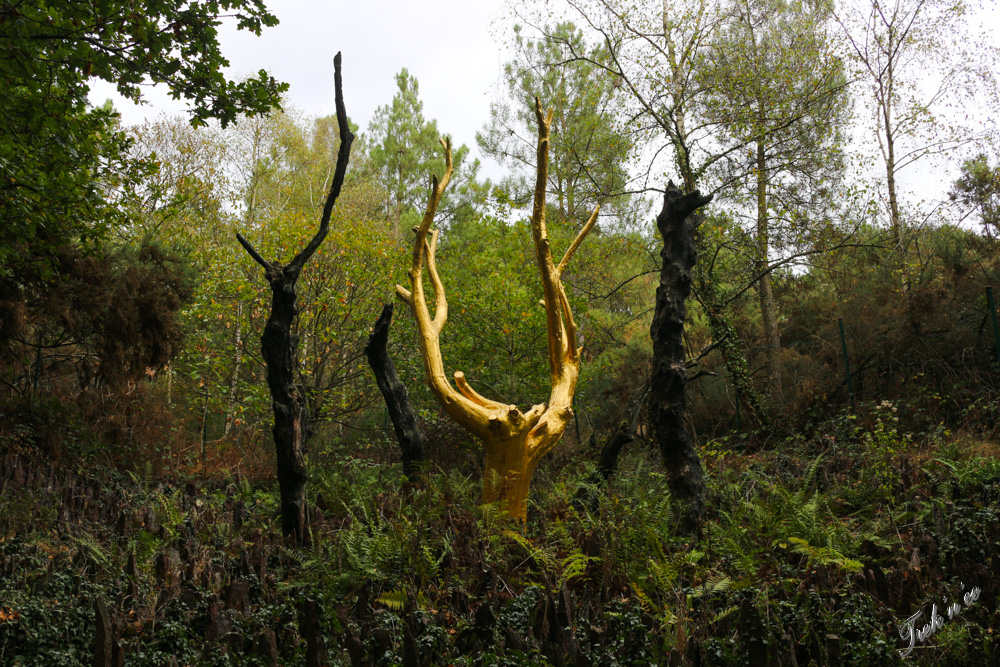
134 387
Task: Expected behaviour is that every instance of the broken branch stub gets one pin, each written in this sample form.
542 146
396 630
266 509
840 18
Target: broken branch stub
515 441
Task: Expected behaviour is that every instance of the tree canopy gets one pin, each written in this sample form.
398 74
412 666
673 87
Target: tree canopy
60 159
405 151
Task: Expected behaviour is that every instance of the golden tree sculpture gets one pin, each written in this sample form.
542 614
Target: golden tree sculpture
515 441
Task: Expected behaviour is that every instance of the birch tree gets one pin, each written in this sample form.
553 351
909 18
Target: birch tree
922 70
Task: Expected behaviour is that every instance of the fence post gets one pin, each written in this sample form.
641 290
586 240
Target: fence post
847 362
993 316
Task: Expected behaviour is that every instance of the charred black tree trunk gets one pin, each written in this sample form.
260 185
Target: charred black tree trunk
623 434
278 347
677 224
409 433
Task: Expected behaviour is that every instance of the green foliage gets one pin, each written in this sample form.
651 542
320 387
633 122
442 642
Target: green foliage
930 377
391 561
977 189
267 178
78 351
120 309
59 158
615 279
588 153
773 84
497 332
53 623
886 444
405 150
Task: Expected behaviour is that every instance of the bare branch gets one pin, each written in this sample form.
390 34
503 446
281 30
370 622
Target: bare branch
343 154
577 241
252 251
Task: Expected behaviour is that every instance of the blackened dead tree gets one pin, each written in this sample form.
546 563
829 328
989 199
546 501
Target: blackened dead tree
677 224
409 432
624 433
278 347
607 463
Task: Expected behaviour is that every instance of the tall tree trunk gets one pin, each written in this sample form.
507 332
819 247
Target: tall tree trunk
890 175
768 309
668 400
278 347
887 142
409 432
234 378
889 153
725 335
677 114
897 255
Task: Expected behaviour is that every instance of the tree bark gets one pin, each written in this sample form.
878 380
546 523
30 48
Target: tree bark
409 432
668 400
623 434
768 309
278 346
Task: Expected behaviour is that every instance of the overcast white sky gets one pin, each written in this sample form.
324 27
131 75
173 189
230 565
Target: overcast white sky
453 47
448 45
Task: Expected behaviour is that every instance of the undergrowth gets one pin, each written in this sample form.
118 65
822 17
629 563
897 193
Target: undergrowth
843 534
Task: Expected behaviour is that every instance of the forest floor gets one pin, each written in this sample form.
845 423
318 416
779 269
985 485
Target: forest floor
816 550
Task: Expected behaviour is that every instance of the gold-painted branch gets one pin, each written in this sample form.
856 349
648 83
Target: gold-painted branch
473 395
571 349
404 295
461 408
515 442
543 250
440 300
578 240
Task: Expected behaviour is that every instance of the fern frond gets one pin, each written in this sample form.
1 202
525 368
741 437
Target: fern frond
644 600
520 539
723 614
575 565
394 600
